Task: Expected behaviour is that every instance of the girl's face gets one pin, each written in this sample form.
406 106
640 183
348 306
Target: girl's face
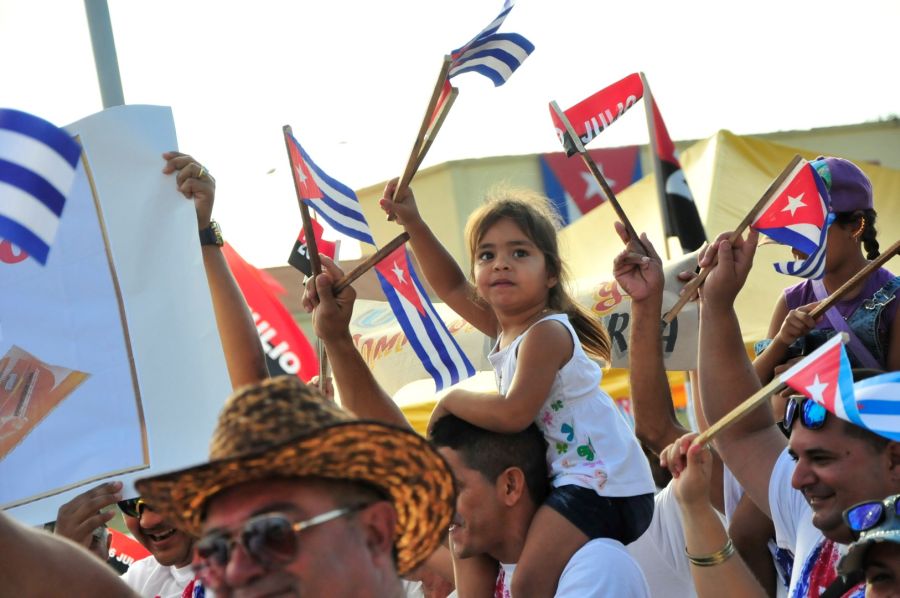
510 270
882 567
839 244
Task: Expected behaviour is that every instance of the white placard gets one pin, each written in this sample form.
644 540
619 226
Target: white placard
123 303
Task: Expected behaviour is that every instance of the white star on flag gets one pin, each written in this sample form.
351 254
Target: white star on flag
817 390
398 272
301 175
794 204
592 187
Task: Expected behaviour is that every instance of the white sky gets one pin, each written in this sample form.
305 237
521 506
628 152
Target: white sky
353 78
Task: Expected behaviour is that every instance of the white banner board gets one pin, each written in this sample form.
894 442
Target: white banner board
110 362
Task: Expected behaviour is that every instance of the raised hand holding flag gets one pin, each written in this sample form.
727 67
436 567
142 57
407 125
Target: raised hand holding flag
37 168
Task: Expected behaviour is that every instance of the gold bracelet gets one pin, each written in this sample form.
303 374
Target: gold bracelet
715 558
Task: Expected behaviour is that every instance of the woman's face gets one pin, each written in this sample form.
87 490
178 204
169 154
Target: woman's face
882 569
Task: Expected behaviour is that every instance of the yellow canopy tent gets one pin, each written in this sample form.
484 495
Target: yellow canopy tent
727 175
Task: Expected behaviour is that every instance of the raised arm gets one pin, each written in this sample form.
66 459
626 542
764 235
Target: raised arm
786 327
440 269
357 387
705 538
36 563
240 342
751 446
642 278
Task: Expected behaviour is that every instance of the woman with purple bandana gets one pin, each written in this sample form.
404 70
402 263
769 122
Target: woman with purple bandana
867 312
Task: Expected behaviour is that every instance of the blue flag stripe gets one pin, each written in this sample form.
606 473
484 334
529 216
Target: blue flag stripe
33 184
457 359
411 333
24 239
43 131
879 406
347 226
36 156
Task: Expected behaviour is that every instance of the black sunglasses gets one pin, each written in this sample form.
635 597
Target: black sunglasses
871 514
133 507
812 414
270 540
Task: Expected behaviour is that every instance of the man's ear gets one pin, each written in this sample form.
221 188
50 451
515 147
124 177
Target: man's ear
511 485
379 523
893 454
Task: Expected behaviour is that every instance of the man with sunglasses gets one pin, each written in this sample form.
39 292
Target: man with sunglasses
301 497
805 484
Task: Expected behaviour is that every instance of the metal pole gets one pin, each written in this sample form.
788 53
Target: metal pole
104 46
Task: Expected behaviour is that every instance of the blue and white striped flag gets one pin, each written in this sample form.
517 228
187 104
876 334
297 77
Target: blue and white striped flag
494 55
331 199
426 332
878 404
37 168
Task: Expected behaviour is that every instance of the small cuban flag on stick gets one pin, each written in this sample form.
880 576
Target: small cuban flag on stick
775 189
798 215
824 373
37 168
426 332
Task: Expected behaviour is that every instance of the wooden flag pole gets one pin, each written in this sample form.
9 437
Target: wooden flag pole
657 167
415 157
776 385
690 288
312 250
443 110
367 265
592 166
855 280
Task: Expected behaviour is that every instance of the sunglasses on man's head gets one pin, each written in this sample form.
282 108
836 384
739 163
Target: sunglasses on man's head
270 540
133 507
811 414
868 515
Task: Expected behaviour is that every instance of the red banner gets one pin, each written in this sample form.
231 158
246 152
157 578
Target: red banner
286 348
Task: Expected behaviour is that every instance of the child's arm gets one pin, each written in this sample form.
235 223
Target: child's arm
546 348
786 327
440 269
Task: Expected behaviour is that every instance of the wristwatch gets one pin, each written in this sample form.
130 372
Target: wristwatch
212 234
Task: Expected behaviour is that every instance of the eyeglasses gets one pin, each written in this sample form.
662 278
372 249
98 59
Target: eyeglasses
133 507
270 540
868 515
812 414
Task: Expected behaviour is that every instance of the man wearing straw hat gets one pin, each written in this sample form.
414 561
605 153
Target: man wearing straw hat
300 496
828 465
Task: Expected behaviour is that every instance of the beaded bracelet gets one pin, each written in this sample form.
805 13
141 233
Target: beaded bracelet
715 558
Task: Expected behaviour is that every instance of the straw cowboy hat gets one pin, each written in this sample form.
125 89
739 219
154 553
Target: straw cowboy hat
281 428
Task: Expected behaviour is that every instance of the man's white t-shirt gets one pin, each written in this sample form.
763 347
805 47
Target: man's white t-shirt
660 550
150 579
815 557
602 567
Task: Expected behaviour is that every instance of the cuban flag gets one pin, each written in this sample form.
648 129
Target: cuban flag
798 215
37 168
825 377
591 116
878 404
424 329
332 200
494 55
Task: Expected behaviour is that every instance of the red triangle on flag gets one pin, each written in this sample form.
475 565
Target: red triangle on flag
303 179
799 203
819 379
396 269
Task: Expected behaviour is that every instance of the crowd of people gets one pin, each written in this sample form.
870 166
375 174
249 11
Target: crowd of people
539 487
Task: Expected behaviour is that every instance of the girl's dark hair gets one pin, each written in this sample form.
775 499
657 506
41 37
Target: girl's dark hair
532 213
870 243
